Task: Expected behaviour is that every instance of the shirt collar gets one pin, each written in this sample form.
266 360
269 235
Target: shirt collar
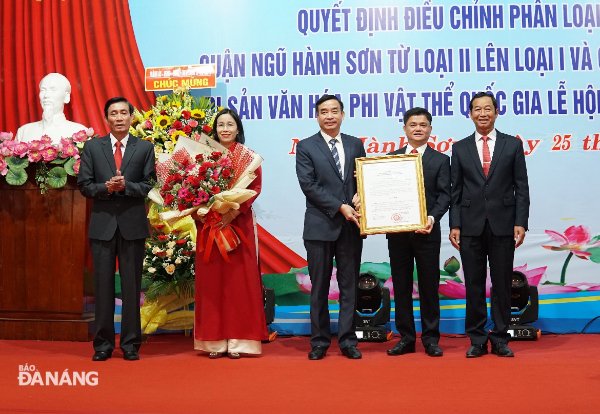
328 138
123 141
420 150
491 135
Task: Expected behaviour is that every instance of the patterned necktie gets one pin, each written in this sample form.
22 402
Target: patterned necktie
487 160
118 154
336 156
414 151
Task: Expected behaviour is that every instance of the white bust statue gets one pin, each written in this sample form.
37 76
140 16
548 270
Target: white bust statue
55 92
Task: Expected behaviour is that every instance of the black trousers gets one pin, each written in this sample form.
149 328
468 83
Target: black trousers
475 252
131 259
347 251
405 249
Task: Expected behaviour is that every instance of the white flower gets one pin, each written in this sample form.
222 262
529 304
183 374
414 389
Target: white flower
155 249
151 270
171 244
169 252
178 260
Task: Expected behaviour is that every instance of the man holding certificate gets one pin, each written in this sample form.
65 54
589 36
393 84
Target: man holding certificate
488 219
325 169
420 246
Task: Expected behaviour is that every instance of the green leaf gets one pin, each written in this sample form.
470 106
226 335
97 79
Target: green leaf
381 271
595 251
293 299
58 161
16 176
282 284
595 239
299 270
57 177
17 163
69 166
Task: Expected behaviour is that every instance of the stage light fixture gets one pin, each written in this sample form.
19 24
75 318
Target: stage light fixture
372 313
524 305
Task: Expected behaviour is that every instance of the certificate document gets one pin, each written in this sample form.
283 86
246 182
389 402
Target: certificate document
392 194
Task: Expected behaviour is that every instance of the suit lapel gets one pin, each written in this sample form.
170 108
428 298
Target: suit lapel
426 158
108 153
325 149
129 151
349 158
498 148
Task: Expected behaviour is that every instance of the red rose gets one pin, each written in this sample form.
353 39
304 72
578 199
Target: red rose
199 158
163 112
177 124
216 189
187 129
169 199
226 173
163 237
181 242
206 129
186 114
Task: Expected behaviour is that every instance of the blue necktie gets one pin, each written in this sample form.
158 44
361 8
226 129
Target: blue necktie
336 156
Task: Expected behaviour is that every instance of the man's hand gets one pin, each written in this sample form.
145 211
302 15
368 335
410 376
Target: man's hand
349 213
519 235
116 183
427 230
455 238
356 202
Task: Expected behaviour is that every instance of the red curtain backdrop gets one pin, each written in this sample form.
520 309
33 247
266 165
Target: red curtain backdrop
91 42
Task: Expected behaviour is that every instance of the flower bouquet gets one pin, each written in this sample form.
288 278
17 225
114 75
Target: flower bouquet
174 116
53 162
204 178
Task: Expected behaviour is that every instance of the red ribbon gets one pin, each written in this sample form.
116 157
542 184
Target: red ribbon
214 233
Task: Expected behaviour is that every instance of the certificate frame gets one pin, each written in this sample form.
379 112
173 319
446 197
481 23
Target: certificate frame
376 174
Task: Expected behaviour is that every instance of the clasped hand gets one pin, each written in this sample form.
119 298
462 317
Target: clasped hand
116 183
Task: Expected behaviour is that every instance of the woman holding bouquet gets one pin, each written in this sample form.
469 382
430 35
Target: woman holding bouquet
229 310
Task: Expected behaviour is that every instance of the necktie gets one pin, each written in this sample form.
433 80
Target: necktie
414 151
487 160
118 154
336 156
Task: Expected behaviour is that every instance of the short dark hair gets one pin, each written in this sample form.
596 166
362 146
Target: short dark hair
483 95
415 112
240 135
326 98
115 100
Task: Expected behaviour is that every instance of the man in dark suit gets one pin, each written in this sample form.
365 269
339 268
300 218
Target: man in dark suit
488 218
116 173
325 169
421 246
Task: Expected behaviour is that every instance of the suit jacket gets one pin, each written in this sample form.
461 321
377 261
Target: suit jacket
126 209
502 197
436 177
324 188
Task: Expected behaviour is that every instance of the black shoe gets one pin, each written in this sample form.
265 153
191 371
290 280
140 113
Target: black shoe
101 355
131 356
502 350
475 351
433 350
351 352
317 352
401 348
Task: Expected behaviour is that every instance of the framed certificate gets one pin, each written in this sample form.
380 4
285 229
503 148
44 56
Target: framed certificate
392 194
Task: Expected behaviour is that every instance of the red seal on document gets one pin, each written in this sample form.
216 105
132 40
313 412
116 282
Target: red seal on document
396 217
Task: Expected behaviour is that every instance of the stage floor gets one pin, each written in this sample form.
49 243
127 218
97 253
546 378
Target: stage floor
556 374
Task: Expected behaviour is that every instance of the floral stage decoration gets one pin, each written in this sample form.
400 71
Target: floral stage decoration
173 116
195 175
53 163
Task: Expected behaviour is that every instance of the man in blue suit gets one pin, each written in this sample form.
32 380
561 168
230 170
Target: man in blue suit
422 246
489 213
116 172
325 168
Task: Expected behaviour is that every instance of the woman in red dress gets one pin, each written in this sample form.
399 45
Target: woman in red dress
229 309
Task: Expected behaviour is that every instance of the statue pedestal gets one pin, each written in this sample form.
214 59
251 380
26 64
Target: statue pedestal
46 292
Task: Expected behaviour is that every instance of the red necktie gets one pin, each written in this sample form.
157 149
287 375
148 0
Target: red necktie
487 160
414 151
118 154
